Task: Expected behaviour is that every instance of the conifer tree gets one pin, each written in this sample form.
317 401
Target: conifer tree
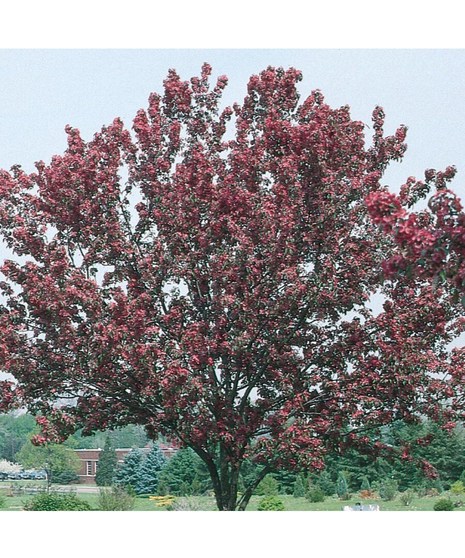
342 487
149 471
365 484
128 473
325 482
106 464
182 475
299 488
286 480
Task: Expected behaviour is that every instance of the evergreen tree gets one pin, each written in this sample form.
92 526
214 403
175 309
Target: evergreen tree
106 464
248 472
299 488
462 476
269 486
325 482
182 475
128 473
356 465
149 471
365 484
444 450
286 480
342 487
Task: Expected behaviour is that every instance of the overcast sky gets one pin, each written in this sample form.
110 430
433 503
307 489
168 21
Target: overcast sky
43 90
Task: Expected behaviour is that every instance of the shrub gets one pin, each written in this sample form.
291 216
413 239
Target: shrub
407 497
444 504
186 504
165 501
115 498
438 486
457 487
387 489
315 494
65 477
56 502
270 503
367 494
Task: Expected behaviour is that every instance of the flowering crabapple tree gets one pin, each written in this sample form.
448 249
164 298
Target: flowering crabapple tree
209 275
431 241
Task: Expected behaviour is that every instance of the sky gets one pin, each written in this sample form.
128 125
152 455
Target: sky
83 65
42 90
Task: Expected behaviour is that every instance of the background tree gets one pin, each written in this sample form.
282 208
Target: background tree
358 465
286 480
129 436
299 487
127 474
183 475
426 441
342 487
107 463
269 486
221 294
149 471
325 482
365 484
55 459
15 431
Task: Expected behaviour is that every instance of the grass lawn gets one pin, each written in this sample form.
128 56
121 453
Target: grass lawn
334 504
206 503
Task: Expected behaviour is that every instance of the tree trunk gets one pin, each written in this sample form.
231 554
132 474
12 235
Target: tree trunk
225 479
226 490
245 498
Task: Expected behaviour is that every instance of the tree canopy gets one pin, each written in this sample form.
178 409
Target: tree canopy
210 275
55 459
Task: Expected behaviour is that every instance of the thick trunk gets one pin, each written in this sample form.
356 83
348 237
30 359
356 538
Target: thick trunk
225 480
226 496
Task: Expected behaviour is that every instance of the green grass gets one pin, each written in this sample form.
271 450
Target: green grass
334 504
207 503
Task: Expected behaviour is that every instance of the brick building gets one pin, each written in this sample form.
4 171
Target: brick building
89 459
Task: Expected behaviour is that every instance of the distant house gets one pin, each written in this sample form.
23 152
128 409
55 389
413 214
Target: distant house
89 459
